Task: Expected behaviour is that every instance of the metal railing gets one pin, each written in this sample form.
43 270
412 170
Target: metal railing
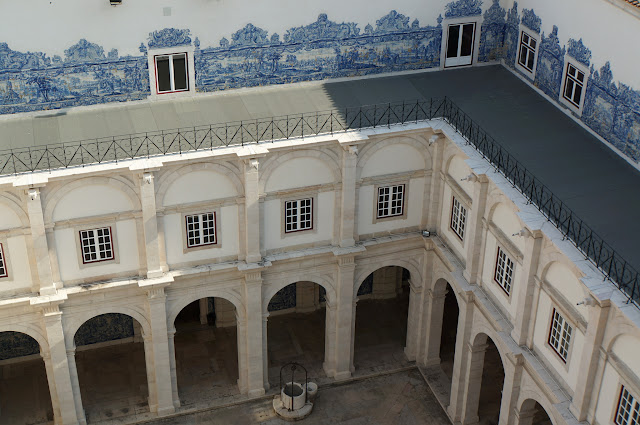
127 147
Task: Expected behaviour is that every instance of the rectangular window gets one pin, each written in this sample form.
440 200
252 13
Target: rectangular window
458 218
560 335
201 229
97 245
504 271
3 264
390 201
527 55
628 412
298 215
171 73
573 85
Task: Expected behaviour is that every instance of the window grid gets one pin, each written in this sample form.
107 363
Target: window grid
201 229
527 55
178 77
573 85
458 218
560 335
3 265
97 245
628 412
504 271
298 215
390 201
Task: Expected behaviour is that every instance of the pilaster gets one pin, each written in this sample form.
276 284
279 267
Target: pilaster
513 369
590 355
414 321
348 195
157 352
437 188
433 328
476 229
462 357
531 259
255 335
40 243
150 224
252 210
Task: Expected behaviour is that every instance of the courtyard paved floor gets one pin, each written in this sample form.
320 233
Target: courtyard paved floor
399 398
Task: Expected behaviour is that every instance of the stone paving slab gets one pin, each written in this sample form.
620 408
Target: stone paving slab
401 398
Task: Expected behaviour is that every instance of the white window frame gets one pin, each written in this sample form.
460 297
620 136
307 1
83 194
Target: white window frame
4 269
191 76
391 210
458 220
629 406
90 237
504 270
477 20
302 220
172 79
530 73
198 221
576 108
560 333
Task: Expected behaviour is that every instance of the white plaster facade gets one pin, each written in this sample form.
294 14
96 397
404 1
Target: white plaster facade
50 293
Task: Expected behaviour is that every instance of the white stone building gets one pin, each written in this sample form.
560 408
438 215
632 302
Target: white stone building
105 251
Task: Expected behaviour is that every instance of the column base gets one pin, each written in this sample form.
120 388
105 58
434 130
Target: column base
329 370
256 393
151 274
432 362
164 411
48 290
341 376
410 356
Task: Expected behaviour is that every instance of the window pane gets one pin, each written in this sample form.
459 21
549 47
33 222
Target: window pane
162 74
530 62
577 93
467 40
180 72
452 42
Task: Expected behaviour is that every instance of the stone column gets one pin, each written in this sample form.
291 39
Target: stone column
344 320
203 305
40 245
55 403
331 317
306 299
252 210
257 378
462 353
174 369
62 369
513 369
589 357
265 350
150 225
384 282
531 258
473 383
524 417
414 321
348 198
437 187
476 229
435 315
225 313
241 332
157 353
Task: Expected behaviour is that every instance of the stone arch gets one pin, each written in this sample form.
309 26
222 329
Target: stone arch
529 403
554 256
416 141
29 330
416 275
497 198
623 329
273 162
273 288
14 205
119 183
77 321
168 178
440 283
479 336
179 304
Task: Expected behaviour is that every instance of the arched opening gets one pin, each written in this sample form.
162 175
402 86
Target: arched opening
296 329
24 390
381 319
206 350
112 372
486 381
449 333
532 413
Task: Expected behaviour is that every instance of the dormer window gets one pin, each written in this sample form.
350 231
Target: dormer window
171 73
